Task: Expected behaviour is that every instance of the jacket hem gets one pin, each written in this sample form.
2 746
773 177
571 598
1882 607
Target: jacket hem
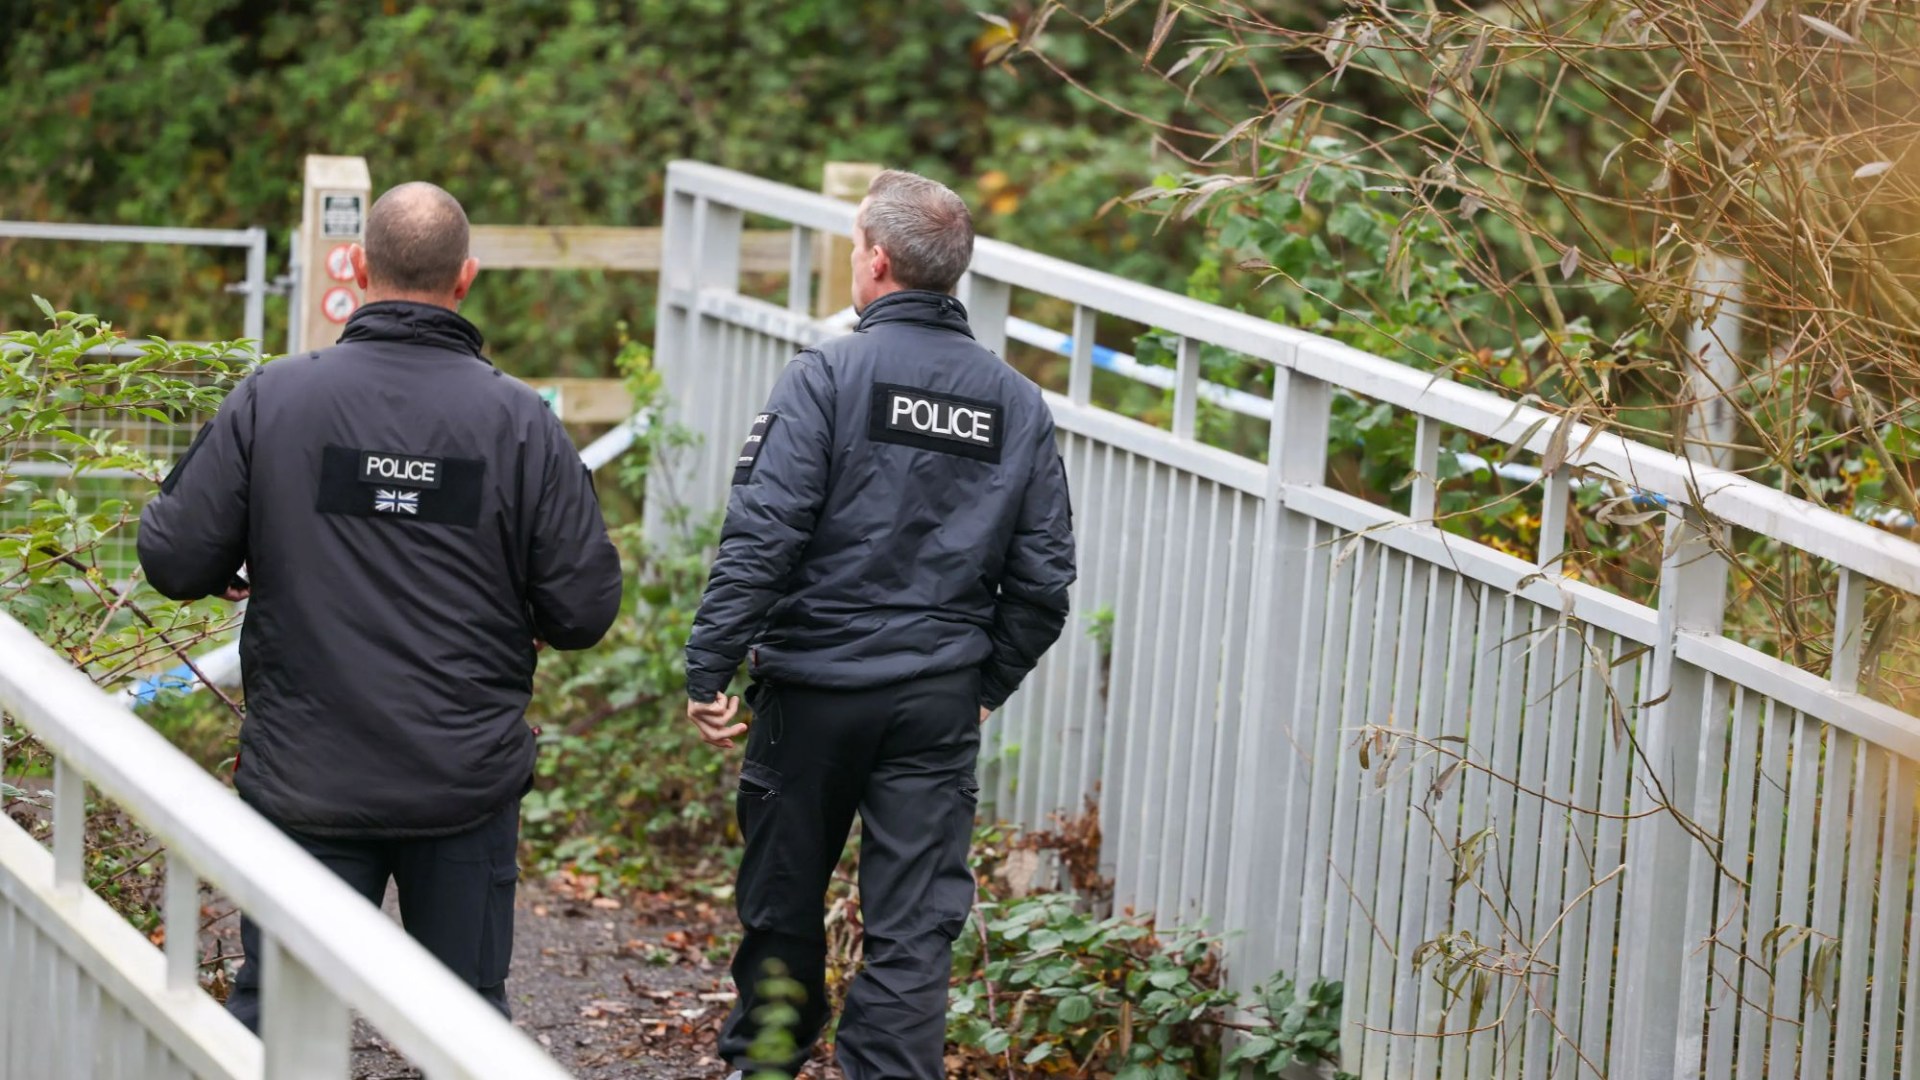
424 832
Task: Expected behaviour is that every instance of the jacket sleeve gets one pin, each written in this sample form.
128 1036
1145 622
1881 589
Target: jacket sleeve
775 500
1032 605
193 535
574 579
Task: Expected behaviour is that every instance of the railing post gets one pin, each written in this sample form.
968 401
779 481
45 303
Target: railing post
1557 492
1426 471
673 316
800 270
1655 940
182 914
716 246
700 249
1849 618
297 279
1270 771
255 320
304 1028
1080 366
988 302
69 827
1186 389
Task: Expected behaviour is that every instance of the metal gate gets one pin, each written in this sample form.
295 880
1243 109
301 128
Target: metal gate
163 440
1264 625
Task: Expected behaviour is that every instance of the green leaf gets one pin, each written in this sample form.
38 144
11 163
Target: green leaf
1258 1046
1168 978
1038 1054
1074 1010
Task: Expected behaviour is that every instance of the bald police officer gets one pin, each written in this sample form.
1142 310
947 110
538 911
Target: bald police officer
411 521
895 560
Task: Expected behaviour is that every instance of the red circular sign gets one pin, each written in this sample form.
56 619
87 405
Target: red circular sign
340 262
338 304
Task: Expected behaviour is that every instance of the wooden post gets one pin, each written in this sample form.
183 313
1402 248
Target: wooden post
842 180
333 216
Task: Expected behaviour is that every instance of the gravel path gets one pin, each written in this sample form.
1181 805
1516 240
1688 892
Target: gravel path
612 990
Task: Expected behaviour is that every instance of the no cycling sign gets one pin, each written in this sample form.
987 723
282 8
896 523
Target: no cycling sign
340 262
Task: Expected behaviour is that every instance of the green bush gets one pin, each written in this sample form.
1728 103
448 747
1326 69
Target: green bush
64 574
1041 983
624 790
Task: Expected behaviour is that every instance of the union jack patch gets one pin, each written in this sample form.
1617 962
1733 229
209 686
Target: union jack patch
396 502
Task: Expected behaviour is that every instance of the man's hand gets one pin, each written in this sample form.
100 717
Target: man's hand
715 720
984 713
235 593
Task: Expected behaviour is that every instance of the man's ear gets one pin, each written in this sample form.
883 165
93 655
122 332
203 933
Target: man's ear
468 270
880 266
357 255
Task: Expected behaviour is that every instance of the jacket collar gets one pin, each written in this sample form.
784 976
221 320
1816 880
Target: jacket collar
407 323
917 306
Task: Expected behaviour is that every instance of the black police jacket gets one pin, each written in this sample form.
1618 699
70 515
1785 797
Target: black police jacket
899 511
411 521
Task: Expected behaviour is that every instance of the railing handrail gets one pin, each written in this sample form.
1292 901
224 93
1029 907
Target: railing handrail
349 945
1726 496
131 234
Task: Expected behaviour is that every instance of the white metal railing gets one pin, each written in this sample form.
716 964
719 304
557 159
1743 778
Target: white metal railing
1262 622
85 995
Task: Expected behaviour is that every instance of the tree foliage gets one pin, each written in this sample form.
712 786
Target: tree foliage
1581 204
198 113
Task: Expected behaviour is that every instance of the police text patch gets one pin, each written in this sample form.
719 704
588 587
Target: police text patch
951 425
756 438
400 487
399 469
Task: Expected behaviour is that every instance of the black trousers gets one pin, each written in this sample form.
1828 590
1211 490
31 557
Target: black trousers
456 898
903 758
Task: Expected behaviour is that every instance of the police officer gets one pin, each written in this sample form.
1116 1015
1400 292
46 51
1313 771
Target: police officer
895 560
411 521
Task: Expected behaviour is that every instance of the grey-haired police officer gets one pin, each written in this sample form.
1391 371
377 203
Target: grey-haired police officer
895 560
412 520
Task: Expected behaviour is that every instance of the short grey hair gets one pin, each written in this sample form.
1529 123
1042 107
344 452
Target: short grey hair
417 238
924 227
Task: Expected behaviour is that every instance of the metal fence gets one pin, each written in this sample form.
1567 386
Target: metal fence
161 439
85 995
1655 851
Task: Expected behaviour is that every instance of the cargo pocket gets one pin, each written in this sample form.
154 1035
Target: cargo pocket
769 890
954 887
496 932
758 781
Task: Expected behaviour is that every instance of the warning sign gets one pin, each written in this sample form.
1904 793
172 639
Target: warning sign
340 262
341 217
338 303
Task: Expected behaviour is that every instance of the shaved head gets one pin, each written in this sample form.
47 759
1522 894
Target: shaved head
416 240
